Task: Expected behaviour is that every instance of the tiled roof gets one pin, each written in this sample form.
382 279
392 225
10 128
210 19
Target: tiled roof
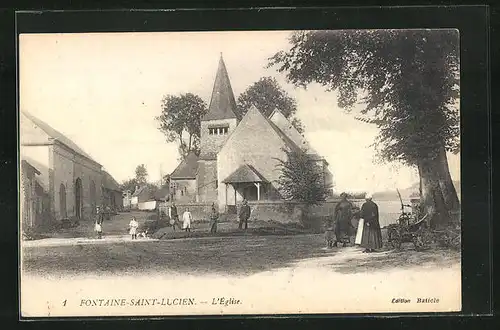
109 182
56 135
222 104
187 169
163 193
245 173
26 164
43 177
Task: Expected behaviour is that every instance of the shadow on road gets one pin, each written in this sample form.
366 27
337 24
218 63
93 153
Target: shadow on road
405 258
230 255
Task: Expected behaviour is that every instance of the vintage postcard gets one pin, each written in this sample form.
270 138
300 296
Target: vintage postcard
239 173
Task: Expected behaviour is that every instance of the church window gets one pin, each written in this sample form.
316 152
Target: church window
218 130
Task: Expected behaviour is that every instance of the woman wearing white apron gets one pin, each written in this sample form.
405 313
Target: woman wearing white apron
186 220
359 232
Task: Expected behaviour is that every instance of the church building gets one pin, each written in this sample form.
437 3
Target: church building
238 152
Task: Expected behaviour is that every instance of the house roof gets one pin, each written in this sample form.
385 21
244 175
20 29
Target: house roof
163 193
43 171
187 169
222 103
109 182
56 135
139 190
245 173
26 164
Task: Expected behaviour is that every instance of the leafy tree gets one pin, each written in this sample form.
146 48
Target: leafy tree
407 82
180 121
301 179
129 184
267 95
141 174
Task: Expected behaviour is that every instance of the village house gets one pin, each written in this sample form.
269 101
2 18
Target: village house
183 185
31 198
238 153
68 181
111 193
127 199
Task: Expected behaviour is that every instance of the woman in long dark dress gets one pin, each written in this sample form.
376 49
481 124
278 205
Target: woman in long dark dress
371 238
343 216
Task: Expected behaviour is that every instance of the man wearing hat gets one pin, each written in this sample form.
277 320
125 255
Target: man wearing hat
244 215
372 235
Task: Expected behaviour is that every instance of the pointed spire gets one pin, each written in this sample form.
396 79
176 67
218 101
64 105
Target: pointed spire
222 104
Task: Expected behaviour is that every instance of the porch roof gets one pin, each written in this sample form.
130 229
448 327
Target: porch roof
245 173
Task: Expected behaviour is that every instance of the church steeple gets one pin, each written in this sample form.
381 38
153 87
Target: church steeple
222 104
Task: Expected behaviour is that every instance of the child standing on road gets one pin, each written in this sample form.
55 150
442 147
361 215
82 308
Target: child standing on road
186 220
329 236
98 229
133 228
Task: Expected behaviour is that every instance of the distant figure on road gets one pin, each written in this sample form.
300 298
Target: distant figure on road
214 218
98 229
108 213
343 217
186 220
99 214
133 228
329 237
244 215
174 216
371 237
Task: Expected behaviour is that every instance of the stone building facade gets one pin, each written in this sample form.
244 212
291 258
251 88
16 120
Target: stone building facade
71 179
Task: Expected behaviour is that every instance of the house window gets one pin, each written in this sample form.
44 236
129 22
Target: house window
223 130
182 192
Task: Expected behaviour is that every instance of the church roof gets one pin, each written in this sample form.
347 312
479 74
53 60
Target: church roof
245 173
56 135
187 169
222 104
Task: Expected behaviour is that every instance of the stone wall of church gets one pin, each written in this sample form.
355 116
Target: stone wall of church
207 181
212 143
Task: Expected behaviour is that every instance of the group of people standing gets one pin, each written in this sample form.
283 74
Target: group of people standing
244 215
368 232
187 217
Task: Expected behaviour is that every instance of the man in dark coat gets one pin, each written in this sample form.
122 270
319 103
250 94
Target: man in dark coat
372 235
174 216
244 215
214 217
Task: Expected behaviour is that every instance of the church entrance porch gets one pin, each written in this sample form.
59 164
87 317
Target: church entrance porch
244 183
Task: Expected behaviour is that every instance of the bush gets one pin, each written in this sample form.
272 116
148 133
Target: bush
30 234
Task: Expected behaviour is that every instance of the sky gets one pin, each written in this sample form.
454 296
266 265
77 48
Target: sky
104 91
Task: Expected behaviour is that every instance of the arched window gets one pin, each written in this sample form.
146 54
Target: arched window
62 201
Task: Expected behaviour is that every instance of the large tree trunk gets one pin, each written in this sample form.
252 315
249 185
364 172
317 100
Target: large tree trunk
445 182
432 199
